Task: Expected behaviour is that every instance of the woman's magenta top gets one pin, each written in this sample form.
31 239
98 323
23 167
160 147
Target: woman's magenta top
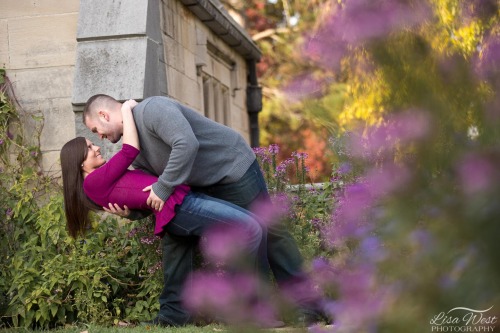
114 183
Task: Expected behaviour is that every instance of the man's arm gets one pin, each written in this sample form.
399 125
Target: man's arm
127 213
166 121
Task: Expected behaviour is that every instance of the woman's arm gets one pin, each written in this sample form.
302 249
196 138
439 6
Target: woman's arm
130 136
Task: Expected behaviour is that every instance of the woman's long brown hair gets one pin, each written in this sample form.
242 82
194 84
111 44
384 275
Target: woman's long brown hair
76 203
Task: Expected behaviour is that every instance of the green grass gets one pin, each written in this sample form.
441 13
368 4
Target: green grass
155 329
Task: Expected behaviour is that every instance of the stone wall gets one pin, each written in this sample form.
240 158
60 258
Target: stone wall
37 47
58 53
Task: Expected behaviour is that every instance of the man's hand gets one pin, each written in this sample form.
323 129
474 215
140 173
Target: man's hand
117 210
153 200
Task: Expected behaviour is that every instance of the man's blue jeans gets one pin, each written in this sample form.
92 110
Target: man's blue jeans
283 254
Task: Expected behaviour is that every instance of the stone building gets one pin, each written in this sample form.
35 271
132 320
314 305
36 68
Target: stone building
58 53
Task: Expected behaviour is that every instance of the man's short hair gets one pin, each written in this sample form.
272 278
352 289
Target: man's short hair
94 102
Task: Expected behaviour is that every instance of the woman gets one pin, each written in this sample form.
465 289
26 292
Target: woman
90 182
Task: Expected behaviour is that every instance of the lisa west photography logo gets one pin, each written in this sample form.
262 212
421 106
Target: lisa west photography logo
462 319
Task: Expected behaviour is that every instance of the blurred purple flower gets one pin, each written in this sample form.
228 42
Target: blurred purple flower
359 21
372 249
304 86
10 135
400 128
385 180
233 299
224 243
477 173
9 212
482 9
363 20
344 168
421 240
488 63
1 141
323 273
270 212
350 217
325 48
302 291
362 299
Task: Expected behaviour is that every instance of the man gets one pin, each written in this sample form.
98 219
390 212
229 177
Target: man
180 146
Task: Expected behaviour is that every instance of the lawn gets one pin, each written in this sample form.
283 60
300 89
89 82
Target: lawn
155 329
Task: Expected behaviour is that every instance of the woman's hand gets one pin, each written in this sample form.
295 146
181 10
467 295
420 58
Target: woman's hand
117 210
129 105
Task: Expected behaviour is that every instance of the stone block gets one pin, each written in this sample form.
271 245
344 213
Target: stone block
190 65
113 67
112 18
184 89
173 53
22 8
51 163
33 85
4 44
57 114
42 41
100 19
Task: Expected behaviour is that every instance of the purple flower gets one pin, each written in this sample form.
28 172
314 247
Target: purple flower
488 63
299 155
270 212
362 20
260 152
372 249
351 215
9 212
224 244
482 9
357 22
421 240
325 47
477 173
383 181
344 168
154 268
400 128
304 86
274 149
148 240
362 299
234 299
10 135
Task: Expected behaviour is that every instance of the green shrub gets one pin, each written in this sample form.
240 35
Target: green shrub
48 279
